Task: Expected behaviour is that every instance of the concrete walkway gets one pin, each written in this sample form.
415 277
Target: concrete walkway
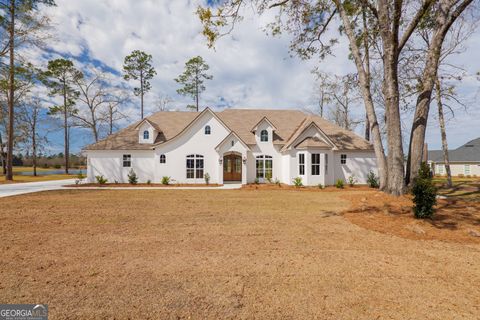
13 189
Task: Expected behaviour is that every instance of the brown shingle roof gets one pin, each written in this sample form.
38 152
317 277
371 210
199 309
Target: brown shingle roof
289 124
312 142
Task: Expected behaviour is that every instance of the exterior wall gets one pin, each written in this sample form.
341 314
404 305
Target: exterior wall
193 141
358 163
109 163
458 169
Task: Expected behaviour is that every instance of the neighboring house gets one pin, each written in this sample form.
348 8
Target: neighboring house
464 161
232 145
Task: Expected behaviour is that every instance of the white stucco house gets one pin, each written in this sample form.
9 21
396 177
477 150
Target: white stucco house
234 145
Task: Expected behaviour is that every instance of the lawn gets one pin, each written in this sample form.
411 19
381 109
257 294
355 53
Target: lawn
463 188
18 178
205 254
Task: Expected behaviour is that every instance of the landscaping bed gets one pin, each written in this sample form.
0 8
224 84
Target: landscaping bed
156 185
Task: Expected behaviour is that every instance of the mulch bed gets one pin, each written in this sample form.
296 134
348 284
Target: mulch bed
123 185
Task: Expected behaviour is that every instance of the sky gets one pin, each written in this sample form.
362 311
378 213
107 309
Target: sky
250 69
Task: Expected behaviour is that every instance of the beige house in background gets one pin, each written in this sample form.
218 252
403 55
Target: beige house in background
464 161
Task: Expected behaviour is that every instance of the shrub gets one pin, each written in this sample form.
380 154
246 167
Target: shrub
321 186
352 180
256 181
424 193
372 180
340 184
101 179
206 176
277 182
132 177
297 182
149 181
80 175
166 180
57 166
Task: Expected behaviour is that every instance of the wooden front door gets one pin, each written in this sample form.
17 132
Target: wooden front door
232 168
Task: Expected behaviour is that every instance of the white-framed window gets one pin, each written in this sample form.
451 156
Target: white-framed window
326 163
264 166
343 159
195 166
467 169
127 160
301 164
264 135
208 130
315 164
163 158
146 135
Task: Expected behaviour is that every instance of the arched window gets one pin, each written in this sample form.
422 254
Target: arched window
146 135
163 159
194 166
264 166
208 130
264 135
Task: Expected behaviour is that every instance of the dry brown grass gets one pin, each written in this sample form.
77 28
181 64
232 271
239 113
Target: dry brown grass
40 177
205 254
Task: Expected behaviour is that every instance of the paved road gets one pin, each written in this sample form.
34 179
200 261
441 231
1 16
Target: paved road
7 190
13 189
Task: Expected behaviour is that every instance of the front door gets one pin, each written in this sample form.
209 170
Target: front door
232 168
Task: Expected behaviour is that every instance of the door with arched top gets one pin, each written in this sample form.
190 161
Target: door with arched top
232 168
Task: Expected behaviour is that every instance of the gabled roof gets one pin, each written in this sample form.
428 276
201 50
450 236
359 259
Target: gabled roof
267 121
308 123
154 125
469 152
236 136
289 124
312 142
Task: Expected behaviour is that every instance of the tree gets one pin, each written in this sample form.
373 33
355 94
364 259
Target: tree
162 102
30 116
322 96
112 114
377 33
62 77
193 78
18 17
138 66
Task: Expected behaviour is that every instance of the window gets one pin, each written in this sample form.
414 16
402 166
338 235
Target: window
326 164
146 135
264 165
194 166
127 160
301 164
467 169
343 159
208 130
264 135
163 159
315 164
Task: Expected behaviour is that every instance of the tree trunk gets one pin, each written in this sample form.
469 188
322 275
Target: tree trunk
11 88
65 125
3 157
141 94
34 149
443 132
417 135
367 128
110 114
196 89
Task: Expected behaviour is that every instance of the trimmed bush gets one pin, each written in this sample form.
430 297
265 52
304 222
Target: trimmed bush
206 176
321 186
352 180
256 181
132 177
277 182
424 193
297 182
372 180
340 184
166 180
101 179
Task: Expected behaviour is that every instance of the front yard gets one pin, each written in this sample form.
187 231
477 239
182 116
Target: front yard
219 254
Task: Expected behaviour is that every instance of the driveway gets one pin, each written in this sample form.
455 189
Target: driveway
14 189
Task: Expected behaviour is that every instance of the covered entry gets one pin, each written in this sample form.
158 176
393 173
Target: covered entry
232 167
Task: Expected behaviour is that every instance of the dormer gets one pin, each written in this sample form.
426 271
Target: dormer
264 130
147 132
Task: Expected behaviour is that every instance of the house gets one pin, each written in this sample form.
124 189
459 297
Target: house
464 161
240 145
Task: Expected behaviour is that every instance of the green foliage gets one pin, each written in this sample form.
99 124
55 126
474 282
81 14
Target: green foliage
192 79
80 175
268 176
57 166
256 181
277 182
132 177
340 184
101 179
352 180
297 182
206 176
424 193
149 182
372 180
138 66
321 186
166 180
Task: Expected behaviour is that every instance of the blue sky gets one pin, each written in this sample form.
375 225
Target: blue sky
250 69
